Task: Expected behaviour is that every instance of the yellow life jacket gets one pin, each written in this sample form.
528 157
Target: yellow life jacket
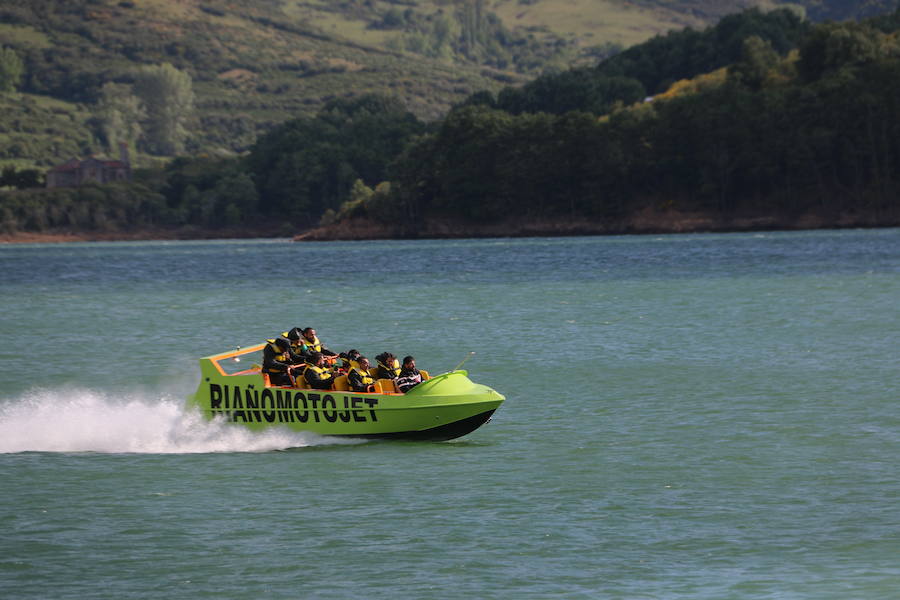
296 346
321 371
280 355
315 345
394 368
364 377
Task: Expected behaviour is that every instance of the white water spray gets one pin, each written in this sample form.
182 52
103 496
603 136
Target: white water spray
88 421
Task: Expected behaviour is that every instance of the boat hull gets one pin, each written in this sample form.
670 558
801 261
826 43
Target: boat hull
444 407
435 434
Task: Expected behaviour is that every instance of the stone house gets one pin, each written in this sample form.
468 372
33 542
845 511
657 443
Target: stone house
76 172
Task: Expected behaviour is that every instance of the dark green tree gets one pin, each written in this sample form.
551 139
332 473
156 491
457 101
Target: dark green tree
309 165
832 46
757 61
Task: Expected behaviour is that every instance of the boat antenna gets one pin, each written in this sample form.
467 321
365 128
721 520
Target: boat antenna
464 360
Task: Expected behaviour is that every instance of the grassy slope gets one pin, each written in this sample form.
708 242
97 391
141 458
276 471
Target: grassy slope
252 66
261 62
38 126
592 22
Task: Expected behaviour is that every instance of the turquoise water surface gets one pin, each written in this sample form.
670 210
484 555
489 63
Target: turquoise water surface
687 416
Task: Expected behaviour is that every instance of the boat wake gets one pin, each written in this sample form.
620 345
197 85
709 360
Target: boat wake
88 421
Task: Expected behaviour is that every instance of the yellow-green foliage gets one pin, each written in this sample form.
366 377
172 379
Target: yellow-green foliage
697 84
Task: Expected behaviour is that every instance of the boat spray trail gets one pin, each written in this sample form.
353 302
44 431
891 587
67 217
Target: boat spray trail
91 421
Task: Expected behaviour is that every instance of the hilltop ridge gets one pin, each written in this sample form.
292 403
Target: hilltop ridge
256 64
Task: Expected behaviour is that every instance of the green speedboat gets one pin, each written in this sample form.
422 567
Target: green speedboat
440 408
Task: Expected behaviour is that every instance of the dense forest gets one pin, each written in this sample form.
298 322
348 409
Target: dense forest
762 114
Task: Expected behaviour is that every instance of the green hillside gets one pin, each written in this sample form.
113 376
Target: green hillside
763 120
251 66
256 64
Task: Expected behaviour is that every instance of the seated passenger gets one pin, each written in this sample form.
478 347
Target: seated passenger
315 374
277 361
388 366
409 375
359 378
310 343
348 360
295 336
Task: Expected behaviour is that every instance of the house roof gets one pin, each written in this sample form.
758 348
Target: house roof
69 165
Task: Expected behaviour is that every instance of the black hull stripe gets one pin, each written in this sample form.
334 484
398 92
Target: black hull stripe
435 434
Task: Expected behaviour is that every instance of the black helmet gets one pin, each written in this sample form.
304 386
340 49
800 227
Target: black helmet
294 334
282 343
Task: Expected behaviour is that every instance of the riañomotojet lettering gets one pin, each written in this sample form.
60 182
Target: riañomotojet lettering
251 405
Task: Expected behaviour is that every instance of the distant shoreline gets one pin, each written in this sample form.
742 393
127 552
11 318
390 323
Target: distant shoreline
648 222
156 234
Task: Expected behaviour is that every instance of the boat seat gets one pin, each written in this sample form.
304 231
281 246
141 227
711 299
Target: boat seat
388 386
341 384
373 371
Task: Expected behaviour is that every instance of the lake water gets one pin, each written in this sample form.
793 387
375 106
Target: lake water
687 416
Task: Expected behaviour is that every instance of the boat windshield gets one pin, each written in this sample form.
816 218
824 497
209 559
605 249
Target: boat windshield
240 361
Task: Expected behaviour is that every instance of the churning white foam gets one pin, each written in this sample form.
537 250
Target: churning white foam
88 421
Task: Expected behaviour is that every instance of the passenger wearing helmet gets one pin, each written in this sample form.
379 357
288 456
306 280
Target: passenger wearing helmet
277 361
359 378
315 374
388 366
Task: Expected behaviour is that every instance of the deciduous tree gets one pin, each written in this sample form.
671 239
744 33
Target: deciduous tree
11 70
119 113
168 97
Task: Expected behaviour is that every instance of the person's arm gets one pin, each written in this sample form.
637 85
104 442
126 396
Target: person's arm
410 380
296 356
355 380
270 363
405 381
314 378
